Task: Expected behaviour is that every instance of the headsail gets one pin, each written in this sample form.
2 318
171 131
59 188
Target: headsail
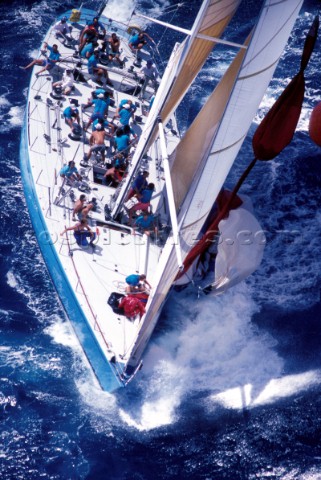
271 137
265 48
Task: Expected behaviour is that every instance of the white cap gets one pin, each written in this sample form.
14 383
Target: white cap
98 126
100 95
127 106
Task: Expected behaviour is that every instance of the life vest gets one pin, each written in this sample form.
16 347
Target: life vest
132 306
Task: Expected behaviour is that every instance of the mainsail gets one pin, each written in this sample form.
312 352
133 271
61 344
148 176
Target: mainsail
243 93
195 146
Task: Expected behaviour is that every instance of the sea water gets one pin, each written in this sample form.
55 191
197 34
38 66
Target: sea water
230 387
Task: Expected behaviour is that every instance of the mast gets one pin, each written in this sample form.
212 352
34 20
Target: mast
151 123
170 195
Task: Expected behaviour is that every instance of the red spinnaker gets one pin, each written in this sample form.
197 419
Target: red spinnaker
315 125
277 128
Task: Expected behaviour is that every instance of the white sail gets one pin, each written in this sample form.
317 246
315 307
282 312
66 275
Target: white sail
240 249
266 46
187 158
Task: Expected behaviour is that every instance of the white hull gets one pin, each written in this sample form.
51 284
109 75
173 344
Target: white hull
84 279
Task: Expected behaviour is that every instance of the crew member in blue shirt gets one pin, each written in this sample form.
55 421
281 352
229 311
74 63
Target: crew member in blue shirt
101 104
105 124
122 142
70 171
71 115
98 90
48 62
144 199
139 184
124 102
136 283
146 223
88 49
125 111
130 132
99 27
96 71
136 42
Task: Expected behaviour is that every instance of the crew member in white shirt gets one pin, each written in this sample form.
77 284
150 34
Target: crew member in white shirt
150 75
66 83
62 29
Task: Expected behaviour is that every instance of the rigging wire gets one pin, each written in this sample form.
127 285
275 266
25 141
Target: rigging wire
171 20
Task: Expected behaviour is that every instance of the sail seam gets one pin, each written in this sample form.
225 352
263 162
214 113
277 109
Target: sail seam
228 146
258 72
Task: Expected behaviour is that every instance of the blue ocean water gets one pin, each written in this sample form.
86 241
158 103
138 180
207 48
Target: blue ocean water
230 388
